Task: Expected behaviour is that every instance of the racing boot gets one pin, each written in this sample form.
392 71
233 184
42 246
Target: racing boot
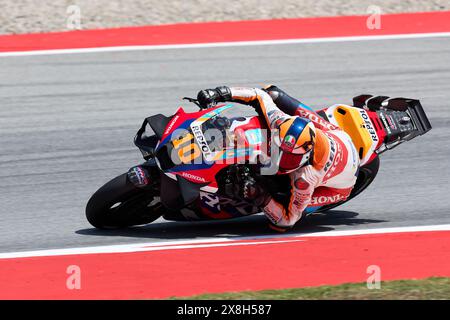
283 101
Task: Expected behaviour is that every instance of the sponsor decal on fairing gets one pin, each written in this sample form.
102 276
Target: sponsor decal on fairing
171 124
386 125
368 125
193 177
201 140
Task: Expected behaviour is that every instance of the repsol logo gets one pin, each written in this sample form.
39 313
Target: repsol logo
201 140
368 125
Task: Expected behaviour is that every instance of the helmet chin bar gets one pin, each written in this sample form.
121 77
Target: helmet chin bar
305 161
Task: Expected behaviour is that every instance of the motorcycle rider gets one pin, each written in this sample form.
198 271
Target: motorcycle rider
319 158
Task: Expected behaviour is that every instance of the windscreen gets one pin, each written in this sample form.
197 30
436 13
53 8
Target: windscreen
218 130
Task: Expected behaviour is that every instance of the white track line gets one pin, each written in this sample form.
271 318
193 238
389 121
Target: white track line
140 247
224 44
216 242
439 227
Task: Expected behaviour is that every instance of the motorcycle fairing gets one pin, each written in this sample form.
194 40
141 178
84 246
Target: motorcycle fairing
199 173
215 207
358 125
158 123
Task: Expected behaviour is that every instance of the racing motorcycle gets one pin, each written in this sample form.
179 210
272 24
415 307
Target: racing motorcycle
187 170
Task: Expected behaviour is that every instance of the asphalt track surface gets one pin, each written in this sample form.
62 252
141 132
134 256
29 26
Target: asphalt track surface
67 123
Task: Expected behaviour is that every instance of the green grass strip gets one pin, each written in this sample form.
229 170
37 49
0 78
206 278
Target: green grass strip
427 289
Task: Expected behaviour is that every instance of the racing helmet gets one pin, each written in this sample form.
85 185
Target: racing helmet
296 138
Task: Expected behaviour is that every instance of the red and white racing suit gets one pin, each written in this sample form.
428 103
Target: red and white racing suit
332 171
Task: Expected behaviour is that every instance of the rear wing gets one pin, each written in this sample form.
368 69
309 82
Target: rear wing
403 118
419 117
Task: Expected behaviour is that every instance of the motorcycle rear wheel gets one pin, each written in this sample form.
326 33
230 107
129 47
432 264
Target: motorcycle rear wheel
119 204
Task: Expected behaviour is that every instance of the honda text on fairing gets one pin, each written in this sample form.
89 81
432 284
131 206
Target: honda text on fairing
193 159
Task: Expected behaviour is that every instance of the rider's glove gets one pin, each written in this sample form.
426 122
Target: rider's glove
209 97
253 191
240 184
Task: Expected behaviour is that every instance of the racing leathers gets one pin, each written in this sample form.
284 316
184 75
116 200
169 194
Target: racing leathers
329 175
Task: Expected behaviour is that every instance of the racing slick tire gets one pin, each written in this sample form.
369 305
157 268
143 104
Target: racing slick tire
119 204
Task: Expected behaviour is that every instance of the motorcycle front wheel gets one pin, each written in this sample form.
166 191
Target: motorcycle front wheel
119 204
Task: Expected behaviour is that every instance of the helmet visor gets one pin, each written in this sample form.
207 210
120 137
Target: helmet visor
306 147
